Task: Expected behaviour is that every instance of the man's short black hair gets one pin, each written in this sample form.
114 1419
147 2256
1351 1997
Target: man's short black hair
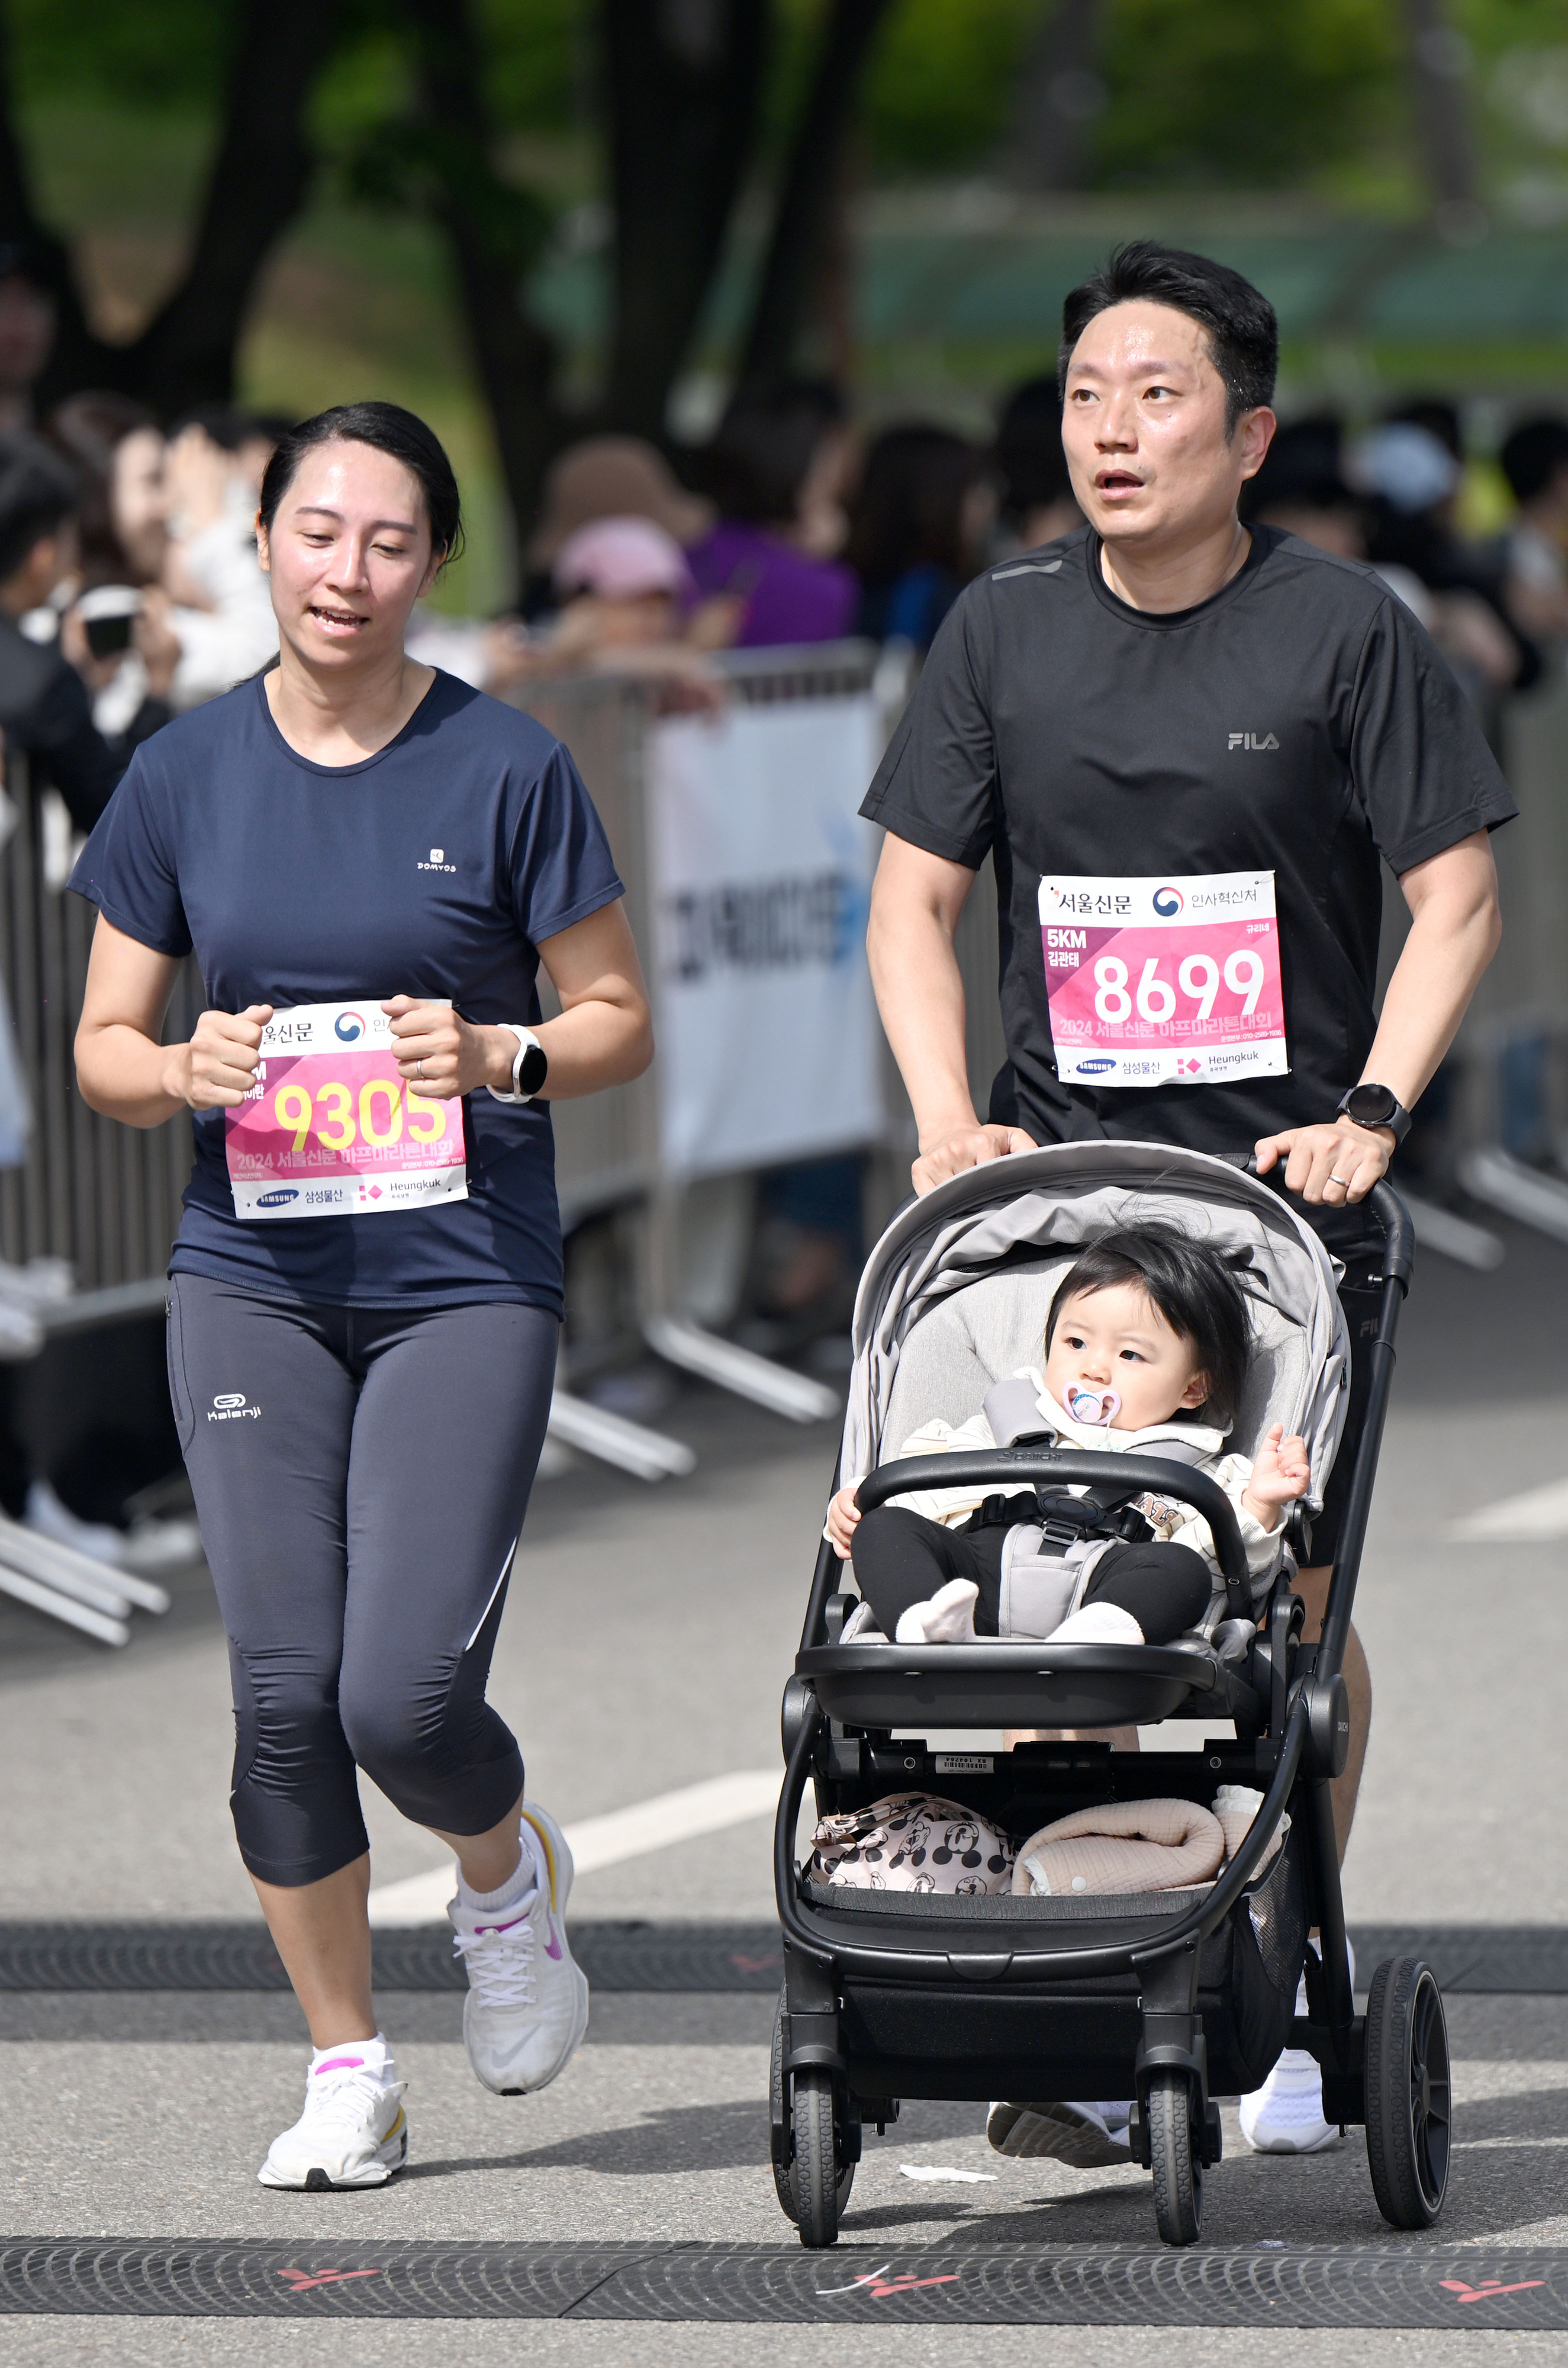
1193 1284
1242 328
38 493
1533 454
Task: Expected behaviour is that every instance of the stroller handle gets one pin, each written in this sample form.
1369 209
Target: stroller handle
993 1468
1399 1233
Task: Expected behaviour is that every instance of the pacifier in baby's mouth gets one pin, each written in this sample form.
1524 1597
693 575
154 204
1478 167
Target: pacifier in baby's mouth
1092 1407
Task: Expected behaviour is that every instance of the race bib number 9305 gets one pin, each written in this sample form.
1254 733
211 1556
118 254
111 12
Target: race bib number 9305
1155 982
330 1129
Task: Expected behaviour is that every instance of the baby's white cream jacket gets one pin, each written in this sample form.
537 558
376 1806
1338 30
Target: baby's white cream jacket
1173 1523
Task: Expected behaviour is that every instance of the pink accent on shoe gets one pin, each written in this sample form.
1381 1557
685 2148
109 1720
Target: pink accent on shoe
500 1928
553 1947
338 2064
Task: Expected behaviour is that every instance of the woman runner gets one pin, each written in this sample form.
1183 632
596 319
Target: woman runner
356 839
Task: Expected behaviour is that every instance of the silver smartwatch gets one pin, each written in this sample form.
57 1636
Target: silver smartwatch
531 1066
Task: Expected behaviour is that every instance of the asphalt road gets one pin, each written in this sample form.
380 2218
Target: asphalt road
644 1647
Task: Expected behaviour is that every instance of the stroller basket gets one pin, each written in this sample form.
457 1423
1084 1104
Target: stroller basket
1173 1997
1248 1968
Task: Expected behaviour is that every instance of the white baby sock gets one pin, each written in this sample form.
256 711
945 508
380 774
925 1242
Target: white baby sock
1098 1624
946 1619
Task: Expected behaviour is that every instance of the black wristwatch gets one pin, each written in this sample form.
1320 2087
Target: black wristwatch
1372 1105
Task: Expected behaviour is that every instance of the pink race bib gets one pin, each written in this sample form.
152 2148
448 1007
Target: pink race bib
330 1129
1153 981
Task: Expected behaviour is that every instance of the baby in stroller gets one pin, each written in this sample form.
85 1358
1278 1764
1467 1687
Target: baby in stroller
1146 1350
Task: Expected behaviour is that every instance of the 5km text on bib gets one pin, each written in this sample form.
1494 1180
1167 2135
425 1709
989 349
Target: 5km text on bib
329 1129
1159 981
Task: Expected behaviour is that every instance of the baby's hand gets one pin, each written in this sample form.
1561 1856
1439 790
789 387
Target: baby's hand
1281 1473
843 1521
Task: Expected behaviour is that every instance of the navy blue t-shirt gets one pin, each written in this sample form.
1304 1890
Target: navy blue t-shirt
434 868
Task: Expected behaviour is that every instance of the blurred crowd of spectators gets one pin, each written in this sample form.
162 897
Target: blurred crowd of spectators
803 529
129 584
129 591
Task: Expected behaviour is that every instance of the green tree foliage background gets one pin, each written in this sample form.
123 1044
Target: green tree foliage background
1259 93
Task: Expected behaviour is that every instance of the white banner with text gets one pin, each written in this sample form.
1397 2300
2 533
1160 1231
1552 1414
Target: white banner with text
769 1045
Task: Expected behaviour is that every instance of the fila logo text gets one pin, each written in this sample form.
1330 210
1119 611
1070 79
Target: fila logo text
1251 740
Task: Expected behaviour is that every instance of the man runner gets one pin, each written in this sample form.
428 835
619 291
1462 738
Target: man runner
1177 737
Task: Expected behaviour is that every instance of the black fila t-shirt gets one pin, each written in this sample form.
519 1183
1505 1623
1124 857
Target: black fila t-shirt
1300 723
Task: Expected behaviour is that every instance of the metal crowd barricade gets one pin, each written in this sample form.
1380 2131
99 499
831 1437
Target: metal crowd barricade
102 1198
607 1150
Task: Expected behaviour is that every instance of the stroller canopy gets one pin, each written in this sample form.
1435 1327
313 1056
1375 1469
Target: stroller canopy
956 1294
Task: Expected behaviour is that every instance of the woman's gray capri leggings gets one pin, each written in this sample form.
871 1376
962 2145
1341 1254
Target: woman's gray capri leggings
360 1477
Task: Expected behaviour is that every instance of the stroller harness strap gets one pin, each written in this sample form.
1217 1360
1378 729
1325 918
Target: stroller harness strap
1032 1465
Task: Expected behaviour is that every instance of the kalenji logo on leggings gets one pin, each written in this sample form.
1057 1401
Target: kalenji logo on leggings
231 1407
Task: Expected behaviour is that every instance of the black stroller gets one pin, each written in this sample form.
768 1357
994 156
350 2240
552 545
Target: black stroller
1173 1998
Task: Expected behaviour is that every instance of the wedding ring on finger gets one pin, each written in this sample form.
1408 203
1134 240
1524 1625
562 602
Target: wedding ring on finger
419 1073
1342 1182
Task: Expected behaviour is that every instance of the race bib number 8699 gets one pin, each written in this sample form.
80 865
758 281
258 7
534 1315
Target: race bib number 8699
1153 982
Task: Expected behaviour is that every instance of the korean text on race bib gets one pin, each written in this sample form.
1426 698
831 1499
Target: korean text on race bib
1156 982
329 1129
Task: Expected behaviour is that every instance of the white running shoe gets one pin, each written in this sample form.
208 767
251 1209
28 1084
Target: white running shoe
527 1999
353 2131
1285 2116
1089 2138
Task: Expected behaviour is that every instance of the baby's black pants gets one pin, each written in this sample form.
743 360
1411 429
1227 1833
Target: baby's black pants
902 1559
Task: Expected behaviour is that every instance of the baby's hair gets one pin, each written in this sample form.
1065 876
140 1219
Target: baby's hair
1194 1286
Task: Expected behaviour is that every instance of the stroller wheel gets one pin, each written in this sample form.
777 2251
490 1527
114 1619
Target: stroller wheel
1179 2174
1408 2097
783 2173
822 2182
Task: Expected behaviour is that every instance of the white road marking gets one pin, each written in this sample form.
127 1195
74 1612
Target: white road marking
1538 1515
595 1842
940 2170
1497 2145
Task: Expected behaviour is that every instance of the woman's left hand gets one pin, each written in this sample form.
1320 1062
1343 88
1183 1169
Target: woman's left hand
439 1053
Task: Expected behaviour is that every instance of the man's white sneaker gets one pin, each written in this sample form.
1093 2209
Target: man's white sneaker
1089 2136
1285 2116
527 1999
353 2131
